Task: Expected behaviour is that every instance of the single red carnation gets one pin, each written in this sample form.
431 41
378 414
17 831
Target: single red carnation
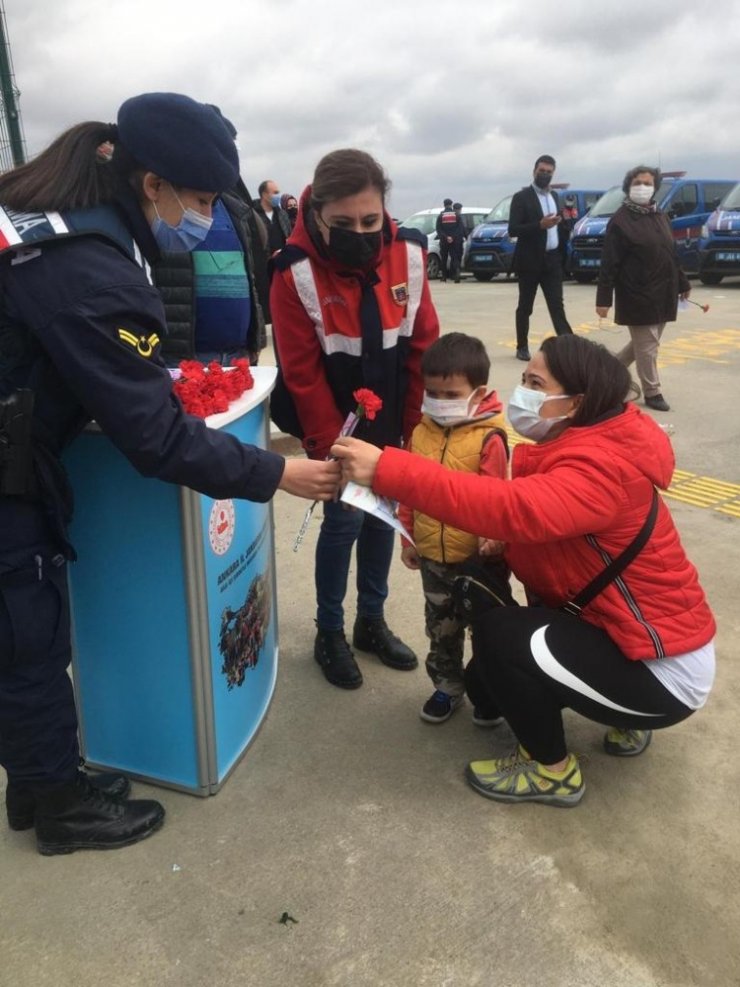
368 403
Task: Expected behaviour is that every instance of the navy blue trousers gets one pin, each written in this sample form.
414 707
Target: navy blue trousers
38 718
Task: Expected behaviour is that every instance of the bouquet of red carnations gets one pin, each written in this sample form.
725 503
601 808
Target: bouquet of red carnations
209 390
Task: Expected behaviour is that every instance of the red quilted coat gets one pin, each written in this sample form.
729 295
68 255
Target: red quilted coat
575 503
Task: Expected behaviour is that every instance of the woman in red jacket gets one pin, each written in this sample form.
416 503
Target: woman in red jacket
351 309
639 654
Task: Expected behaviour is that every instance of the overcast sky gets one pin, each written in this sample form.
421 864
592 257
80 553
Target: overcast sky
452 99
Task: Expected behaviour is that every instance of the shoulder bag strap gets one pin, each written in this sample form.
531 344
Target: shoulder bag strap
618 565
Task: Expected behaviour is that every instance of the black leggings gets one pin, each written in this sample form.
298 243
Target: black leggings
531 662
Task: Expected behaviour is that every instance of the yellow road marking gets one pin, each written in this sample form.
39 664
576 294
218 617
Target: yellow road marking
708 345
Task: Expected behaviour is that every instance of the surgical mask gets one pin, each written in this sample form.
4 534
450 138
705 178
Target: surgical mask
447 411
192 229
275 200
641 194
357 250
524 412
542 180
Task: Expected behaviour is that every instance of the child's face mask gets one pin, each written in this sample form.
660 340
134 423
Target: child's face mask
452 411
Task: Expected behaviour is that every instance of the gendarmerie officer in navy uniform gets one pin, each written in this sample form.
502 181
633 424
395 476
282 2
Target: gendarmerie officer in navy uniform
451 231
80 330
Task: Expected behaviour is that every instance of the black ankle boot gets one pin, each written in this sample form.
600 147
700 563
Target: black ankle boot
373 634
78 816
337 662
20 801
657 402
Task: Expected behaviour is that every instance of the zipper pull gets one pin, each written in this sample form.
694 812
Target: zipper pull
39 566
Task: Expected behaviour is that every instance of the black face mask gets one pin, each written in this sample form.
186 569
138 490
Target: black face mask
357 250
292 212
542 181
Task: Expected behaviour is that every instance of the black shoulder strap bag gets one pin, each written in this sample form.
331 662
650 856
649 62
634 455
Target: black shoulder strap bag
474 594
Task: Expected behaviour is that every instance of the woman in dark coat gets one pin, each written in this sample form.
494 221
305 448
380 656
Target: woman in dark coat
639 267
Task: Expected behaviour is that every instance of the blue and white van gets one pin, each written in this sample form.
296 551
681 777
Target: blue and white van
719 246
489 248
687 202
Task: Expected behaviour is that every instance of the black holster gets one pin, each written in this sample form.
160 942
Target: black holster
16 420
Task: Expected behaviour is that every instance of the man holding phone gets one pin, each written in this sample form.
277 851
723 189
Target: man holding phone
535 221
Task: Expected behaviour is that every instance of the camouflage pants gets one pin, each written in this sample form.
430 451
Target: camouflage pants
446 633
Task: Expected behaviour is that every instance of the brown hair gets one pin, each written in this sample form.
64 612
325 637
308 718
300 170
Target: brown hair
346 172
634 172
583 367
457 353
69 174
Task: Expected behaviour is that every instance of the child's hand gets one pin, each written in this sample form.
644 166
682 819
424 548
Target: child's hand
489 546
410 557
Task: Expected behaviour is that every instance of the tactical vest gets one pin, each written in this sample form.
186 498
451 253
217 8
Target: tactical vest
19 230
23 443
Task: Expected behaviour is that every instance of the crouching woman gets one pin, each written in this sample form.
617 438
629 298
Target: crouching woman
584 527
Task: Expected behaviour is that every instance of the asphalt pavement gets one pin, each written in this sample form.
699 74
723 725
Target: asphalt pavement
351 816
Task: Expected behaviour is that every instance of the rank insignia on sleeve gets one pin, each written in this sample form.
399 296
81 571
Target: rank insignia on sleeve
400 293
144 345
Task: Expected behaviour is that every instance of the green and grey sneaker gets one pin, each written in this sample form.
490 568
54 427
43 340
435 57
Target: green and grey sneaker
518 778
626 743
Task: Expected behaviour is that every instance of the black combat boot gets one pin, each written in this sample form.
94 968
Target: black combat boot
373 634
78 816
20 801
337 662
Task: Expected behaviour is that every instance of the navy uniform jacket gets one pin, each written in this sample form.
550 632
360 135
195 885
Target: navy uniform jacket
92 352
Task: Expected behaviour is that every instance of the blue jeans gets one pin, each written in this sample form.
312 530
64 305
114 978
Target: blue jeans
224 357
340 529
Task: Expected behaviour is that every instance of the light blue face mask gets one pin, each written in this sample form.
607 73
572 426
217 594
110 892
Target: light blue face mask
192 229
275 201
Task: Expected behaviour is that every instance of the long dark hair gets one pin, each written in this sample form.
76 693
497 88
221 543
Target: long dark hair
583 367
346 172
71 173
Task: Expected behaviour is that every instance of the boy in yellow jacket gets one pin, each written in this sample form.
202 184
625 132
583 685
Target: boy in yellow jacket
463 428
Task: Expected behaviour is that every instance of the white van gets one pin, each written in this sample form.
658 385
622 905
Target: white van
426 221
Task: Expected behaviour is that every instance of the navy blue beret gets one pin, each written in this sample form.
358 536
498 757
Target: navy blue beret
185 142
229 125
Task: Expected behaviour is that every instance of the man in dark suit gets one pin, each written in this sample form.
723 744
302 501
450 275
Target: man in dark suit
536 222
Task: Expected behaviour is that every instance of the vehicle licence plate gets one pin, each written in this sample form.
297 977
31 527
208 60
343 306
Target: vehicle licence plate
729 255
481 258
590 262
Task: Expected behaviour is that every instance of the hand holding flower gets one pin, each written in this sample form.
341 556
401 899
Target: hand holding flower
315 480
359 460
368 405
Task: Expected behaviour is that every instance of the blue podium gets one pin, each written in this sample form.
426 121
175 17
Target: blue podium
175 638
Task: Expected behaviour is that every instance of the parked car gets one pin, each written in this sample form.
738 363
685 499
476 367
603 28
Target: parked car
687 202
489 249
719 246
426 221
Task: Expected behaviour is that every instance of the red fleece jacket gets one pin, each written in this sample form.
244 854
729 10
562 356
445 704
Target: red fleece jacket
597 480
